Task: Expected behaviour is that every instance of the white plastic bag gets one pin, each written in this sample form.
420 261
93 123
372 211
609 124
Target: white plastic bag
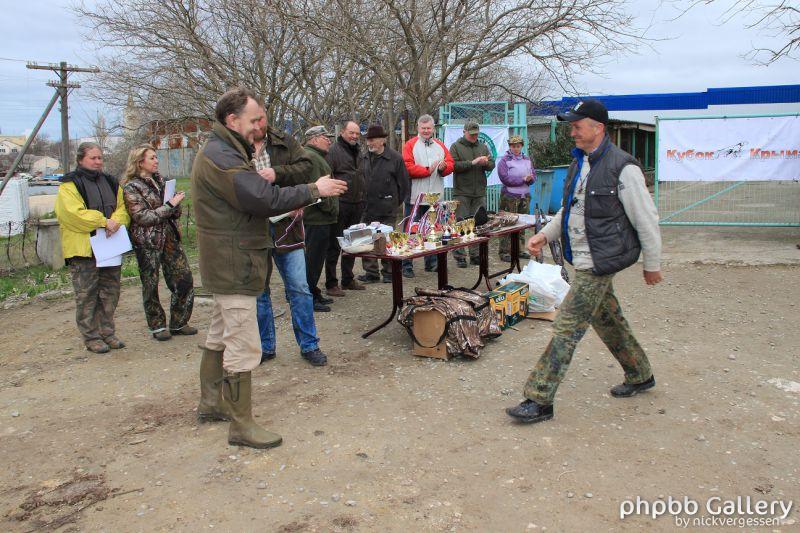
546 287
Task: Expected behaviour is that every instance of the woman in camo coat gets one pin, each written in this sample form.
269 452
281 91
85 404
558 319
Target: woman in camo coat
157 243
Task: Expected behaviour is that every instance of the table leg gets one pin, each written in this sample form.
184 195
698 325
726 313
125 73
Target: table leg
483 269
441 270
515 252
397 295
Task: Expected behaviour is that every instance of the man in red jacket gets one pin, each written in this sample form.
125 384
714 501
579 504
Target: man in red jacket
428 161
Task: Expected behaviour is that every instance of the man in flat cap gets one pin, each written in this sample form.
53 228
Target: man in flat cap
387 185
320 219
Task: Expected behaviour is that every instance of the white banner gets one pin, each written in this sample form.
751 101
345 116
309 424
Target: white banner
729 149
494 137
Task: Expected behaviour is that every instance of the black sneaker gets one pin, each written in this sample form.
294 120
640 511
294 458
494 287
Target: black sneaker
461 262
387 279
315 357
530 412
408 273
320 307
366 278
266 356
505 258
321 299
627 390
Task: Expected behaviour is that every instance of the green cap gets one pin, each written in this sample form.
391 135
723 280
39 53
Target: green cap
472 127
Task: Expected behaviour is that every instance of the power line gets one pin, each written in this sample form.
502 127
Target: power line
63 89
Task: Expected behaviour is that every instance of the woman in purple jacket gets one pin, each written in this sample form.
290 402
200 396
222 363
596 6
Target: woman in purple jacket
516 172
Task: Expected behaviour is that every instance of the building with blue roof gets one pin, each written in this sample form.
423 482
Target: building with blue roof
633 116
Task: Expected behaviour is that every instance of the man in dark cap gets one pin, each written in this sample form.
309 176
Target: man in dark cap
320 219
606 220
472 162
387 184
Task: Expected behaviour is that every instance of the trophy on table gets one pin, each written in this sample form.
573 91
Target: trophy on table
431 214
470 228
394 239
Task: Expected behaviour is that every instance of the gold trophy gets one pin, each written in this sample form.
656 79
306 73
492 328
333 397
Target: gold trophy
431 198
470 228
394 238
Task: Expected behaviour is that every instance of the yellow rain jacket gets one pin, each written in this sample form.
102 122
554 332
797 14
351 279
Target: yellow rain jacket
76 222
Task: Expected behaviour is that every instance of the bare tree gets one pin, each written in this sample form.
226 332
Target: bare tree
318 61
780 18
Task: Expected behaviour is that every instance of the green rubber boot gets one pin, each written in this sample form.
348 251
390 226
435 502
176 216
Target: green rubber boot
212 407
244 431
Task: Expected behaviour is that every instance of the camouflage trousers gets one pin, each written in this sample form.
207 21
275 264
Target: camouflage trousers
178 277
590 301
96 297
514 205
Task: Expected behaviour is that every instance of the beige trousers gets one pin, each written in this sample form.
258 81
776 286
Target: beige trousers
234 331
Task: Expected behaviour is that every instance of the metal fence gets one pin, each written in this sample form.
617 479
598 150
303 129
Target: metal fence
514 116
726 203
19 242
740 203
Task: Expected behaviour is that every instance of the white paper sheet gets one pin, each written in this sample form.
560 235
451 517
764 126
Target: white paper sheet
169 190
281 217
107 247
111 262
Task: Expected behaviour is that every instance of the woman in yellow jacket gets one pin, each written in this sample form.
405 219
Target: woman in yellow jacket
89 200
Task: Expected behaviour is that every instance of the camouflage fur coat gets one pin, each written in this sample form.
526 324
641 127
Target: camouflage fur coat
150 216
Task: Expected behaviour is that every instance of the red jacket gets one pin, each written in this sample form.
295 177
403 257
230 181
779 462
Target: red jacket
418 171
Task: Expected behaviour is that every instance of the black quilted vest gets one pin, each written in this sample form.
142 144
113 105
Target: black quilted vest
613 241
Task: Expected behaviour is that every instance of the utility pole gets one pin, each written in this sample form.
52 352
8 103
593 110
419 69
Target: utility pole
62 86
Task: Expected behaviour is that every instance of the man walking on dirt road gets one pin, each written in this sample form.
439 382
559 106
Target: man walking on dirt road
606 220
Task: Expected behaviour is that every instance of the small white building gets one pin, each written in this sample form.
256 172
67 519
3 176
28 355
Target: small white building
8 147
44 165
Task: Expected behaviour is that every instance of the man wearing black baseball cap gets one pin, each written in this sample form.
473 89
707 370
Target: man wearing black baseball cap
590 108
607 218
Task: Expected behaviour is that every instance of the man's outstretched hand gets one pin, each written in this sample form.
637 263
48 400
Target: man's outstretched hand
328 186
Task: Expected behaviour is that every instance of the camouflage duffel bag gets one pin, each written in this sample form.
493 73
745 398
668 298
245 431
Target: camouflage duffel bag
468 319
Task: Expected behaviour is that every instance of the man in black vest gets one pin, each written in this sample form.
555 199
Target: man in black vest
606 219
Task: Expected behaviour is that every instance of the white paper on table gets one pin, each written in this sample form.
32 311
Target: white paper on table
107 247
169 190
110 262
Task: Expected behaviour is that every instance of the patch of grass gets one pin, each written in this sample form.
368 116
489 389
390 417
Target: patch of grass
130 268
32 281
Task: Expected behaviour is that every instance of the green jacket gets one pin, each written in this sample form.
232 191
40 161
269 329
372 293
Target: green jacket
231 203
292 167
326 212
469 179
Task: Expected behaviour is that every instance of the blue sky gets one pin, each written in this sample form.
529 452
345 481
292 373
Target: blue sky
698 52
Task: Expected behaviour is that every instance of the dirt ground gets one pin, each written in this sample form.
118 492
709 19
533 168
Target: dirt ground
380 440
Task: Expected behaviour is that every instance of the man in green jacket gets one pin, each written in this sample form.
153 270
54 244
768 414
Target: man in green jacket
319 219
473 163
281 158
231 204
